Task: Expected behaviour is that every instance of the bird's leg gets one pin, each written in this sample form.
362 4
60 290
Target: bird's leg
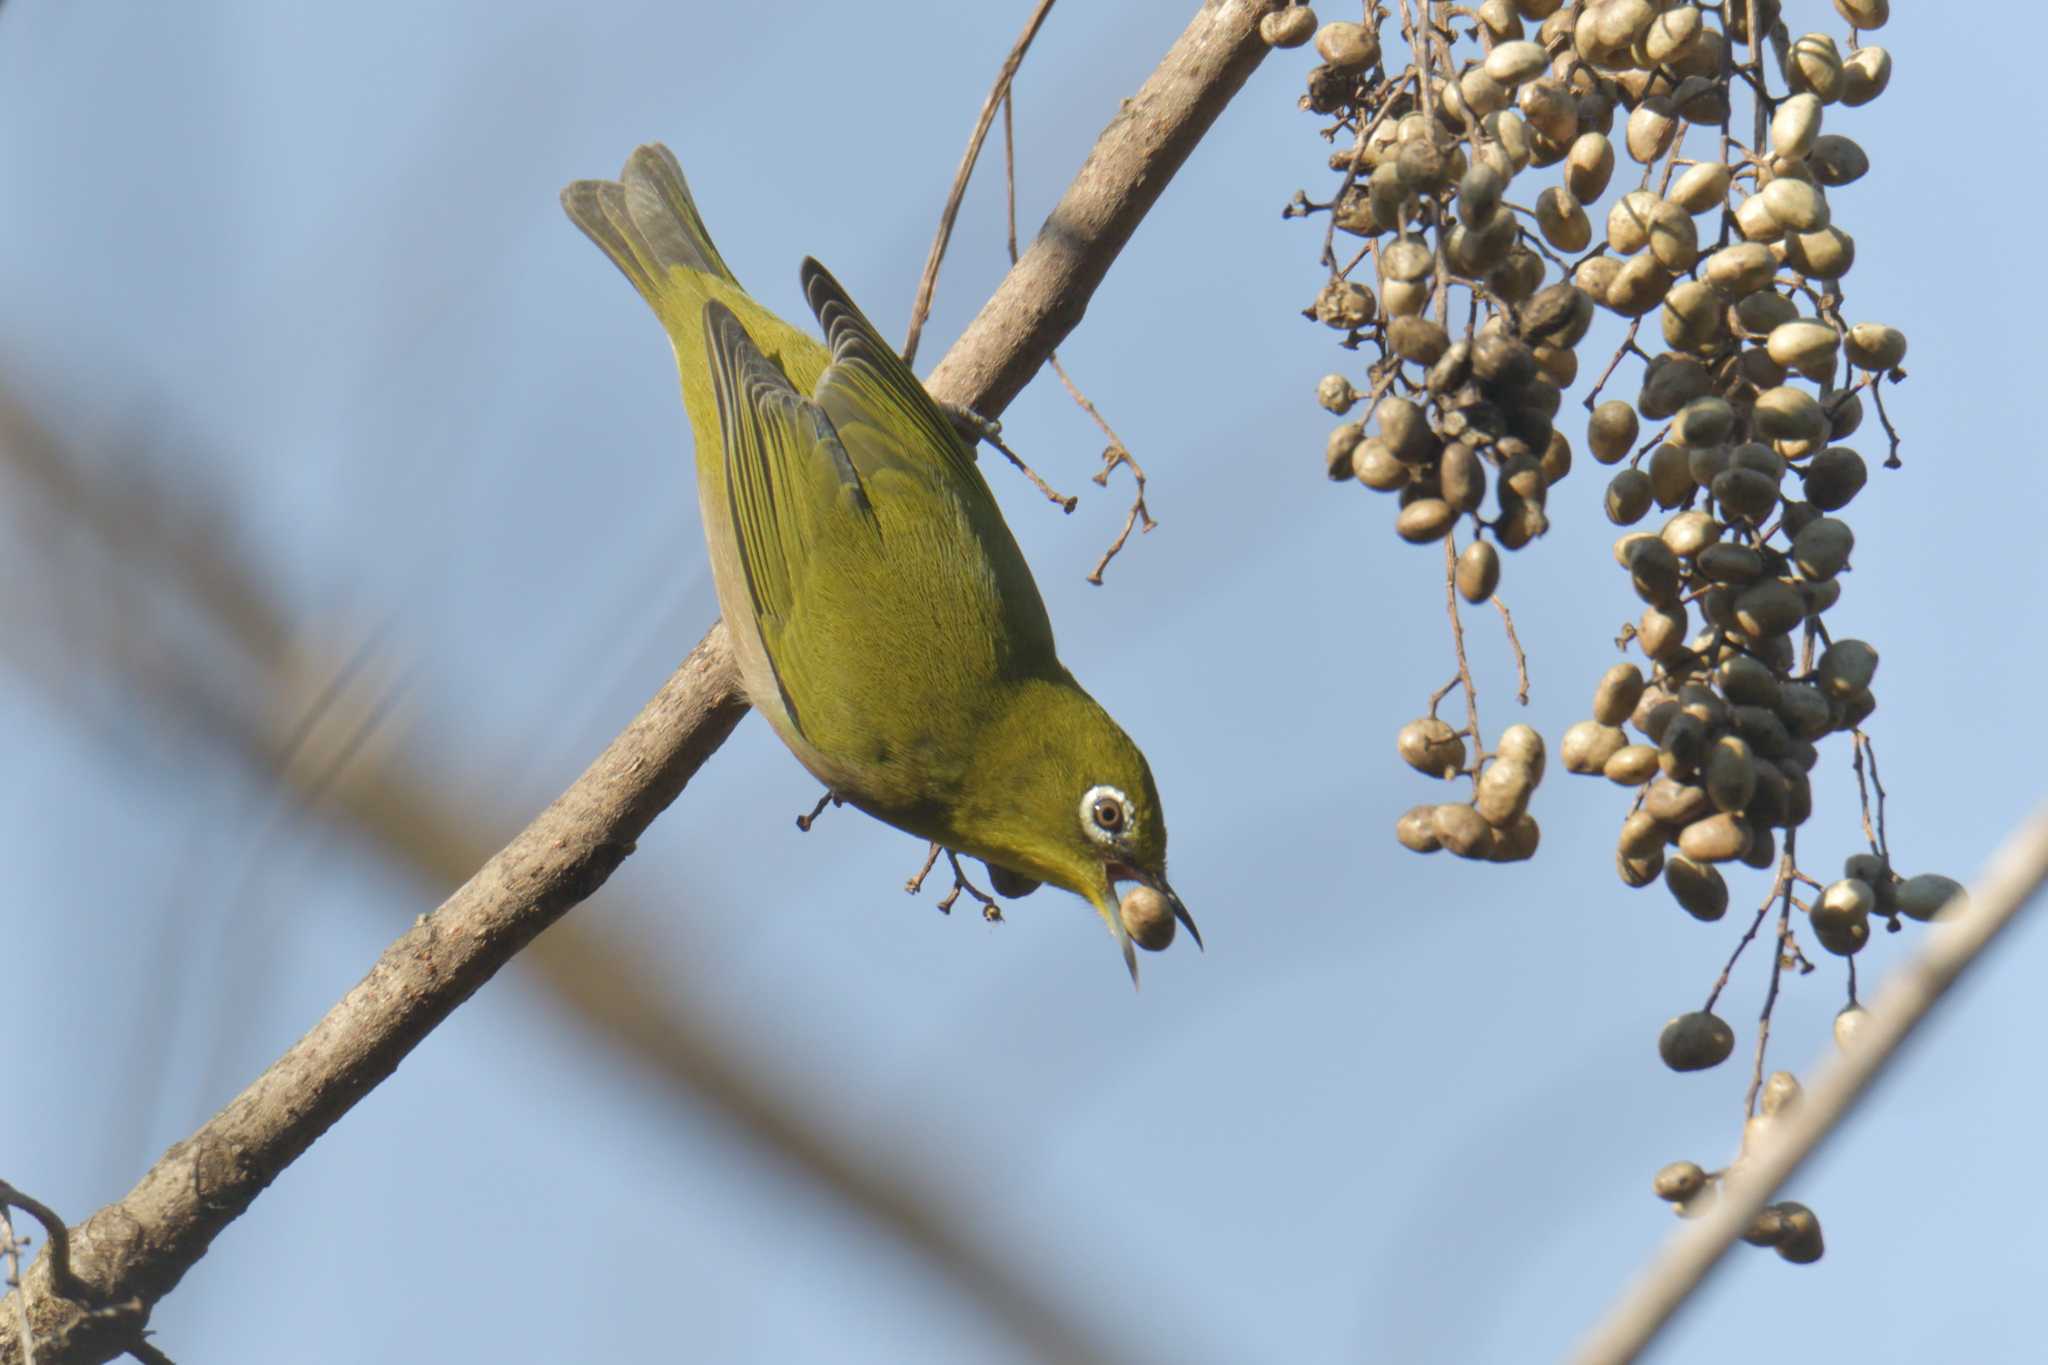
830 798
916 883
972 426
990 911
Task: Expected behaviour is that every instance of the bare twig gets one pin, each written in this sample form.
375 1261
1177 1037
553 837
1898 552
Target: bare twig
1880 844
1507 619
1111 458
1458 646
1388 92
1748 937
1966 930
1436 698
1094 413
1010 172
1152 133
1891 458
998 95
1763 1025
1118 451
1627 347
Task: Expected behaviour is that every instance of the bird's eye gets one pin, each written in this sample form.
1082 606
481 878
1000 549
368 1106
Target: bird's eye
1105 814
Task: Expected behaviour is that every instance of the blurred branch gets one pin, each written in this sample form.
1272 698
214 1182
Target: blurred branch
215 581
142 1245
1954 943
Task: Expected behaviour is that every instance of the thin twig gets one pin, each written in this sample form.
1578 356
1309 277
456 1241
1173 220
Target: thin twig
1628 345
1118 452
1507 618
1389 94
1874 833
1010 171
1458 646
1094 413
1748 937
1436 698
1891 459
922 308
1966 930
1148 139
1111 458
1763 1028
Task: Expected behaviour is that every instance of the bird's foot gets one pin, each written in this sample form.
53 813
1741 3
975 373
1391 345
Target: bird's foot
990 911
972 426
830 798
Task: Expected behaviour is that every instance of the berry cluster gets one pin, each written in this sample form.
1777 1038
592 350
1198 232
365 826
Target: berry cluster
1533 166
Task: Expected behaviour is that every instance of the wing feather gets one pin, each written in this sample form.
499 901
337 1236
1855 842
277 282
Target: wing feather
881 410
786 474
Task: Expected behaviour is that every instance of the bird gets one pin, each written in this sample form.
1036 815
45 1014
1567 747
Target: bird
882 617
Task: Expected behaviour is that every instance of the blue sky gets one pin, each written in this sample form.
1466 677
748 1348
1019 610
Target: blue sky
303 267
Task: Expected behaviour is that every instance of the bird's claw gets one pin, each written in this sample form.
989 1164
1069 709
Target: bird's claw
972 426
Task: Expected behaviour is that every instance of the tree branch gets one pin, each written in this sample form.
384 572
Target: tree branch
136 1250
2015 876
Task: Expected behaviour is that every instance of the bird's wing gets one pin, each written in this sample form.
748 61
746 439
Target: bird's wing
906 452
875 560
882 412
790 486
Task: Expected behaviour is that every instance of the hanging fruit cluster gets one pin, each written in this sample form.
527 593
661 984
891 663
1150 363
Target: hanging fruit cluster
1527 168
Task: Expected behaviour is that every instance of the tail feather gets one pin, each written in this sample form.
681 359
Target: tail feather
646 221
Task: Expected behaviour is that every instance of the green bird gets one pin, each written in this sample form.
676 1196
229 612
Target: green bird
881 615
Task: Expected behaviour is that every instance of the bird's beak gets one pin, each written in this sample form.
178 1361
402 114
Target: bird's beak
1119 872
1180 912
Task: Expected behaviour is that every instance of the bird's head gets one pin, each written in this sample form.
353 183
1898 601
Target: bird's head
1062 795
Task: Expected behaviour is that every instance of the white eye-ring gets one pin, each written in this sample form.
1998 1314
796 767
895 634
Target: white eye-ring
1106 814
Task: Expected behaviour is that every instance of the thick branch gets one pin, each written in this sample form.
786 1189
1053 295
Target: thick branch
135 1251
2015 876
